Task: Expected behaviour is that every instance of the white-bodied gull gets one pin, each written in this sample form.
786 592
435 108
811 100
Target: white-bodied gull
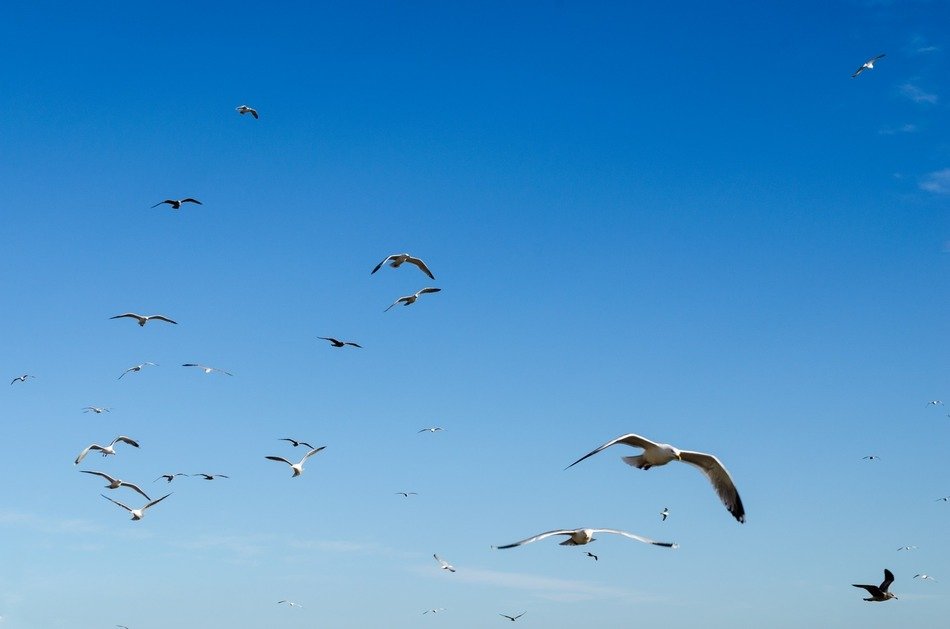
867 65
444 564
580 537
105 450
296 467
143 319
137 514
207 369
22 378
411 299
115 483
98 410
137 368
397 259
244 109
176 203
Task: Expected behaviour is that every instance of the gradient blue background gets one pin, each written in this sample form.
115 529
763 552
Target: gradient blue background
683 221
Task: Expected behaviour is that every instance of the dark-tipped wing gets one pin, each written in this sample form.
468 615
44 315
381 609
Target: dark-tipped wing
311 453
539 536
428 290
629 439
135 488
888 579
873 590
639 538
162 318
190 200
128 314
279 458
125 439
856 73
720 479
379 266
116 502
422 266
155 502
102 474
168 201
354 344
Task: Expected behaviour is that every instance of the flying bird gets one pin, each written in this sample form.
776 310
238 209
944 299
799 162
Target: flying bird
433 429
925 577
176 204
136 368
867 65
934 403
105 450
137 514
244 109
871 457
907 548
662 453
115 483
579 537
406 493
296 467
208 369
944 499
444 564
296 443
169 477
22 378
95 409
879 593
291 604
411 299
396 260
590 554
338 343
433 611
513 618
143 319
210 476
665 513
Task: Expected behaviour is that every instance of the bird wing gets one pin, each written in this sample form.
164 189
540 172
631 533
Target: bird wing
511 618
155 502
888 579
279 458
253 113
311 453
102 474
519 615
83 454
167 477
422 266
134 488
162 318
190 200
540 536
116 502
873 590
629 439
169 201
385 260
428 290
877 57
396 302
354 344
124 439
720 479
645 540
329 338
293 441
128 314
444 563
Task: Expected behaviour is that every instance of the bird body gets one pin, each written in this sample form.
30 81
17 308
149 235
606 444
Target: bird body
296 467
879 593
396 260
581 537
411 299
665 513
169 477
406 493
143 319
105 450
137 514
244 109
925 577
432 429
115 483
867 65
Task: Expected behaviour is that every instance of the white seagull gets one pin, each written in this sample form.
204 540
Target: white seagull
137 514
396 260
137 368
22 378
907 548
105 450
176 204
662 453
433 429
143 319
338 343
115 483
208 369
925 577
296 467
291 604
411 299
665 513
244 109
580 537
879 593
513 618
444 564
867 65
95 409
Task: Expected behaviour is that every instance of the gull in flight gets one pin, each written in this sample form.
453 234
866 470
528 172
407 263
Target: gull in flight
513 618
208 369
296 443
122 627
925 577
210 476
665 513
579 537
871 457
296 467
396 260
137 368
907 548
338 343
22 378
934 403
137 514
105 450
944 499
95 409
433 429
406 493
433 611
444 564
115 483
879 593
411 299
590 554
176 204
867 65
662 453
143 319
168 477
244 109
291 604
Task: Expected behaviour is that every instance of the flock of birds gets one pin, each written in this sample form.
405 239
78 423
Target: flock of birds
652 454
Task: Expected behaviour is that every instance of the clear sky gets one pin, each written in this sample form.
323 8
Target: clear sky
683 220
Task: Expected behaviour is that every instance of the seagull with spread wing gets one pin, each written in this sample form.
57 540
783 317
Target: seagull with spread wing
105 450
143 319
98 410
137 514
176 203
169 477
296 467
137 368
656 454
115 483
867 65
297 443
444 564
513 618
580 537
208 369
396 260
210 476
338 343
411 299
22 378
244 109
879 593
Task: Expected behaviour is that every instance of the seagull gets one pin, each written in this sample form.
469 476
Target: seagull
291 604
396 260
934 403
444 564
411 299
296 443
176 205
106 450
338 343
122 627
907 548
871 457
208 369
925 577
143 319
137 514
244 109
137 368
665 513
867 65
168 477
115 483
662 453
589 554
879 593
95 409
433 429
210 476
944 499
22 378
434 611
406 493
579 537
513 618
296 467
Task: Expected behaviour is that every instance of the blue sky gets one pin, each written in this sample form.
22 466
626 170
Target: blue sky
685 222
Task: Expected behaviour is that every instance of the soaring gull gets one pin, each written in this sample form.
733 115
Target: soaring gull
590 554
169 477
579 537
411 299
143 319
210 476
867 65
291 604
925 577
115 483
406 493
137 368
665 513
244 109
95 409
338 343
176 203
296 467
397 259
22 378
444 564
208 369
137 514
297 443
662 453
879 593
432 429
105 450
513 618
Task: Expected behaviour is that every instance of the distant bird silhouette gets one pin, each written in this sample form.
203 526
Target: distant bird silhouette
397 259
944 499
513 618
208 369
433 611
296 443
244 109
406 493
879 593
871 457
176 203
137 514
169 477
115 483
411 299
296 467
590 554
934 403
665 513
105 450
136 368
444 564
580 537
433 429
143 319
338 343
210 476
95 409
925 577
867 65
22 378
291 604
907 548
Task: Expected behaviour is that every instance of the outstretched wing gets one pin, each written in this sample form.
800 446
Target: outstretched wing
155 502
888 579
190 200
540 536
168 201
116 502
125 439
279 458
162 318
629 439
102 474
720 479
378 266
311 453
422 266
428 290
645 540
83 454
134 488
